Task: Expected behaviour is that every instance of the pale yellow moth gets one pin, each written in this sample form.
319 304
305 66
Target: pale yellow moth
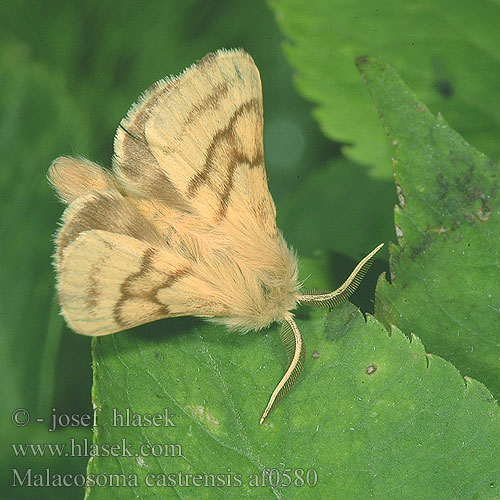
184 224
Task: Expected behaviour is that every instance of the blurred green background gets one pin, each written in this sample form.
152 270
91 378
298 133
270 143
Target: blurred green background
69 71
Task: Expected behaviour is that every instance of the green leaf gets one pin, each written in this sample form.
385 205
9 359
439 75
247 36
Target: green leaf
328 210
445 268
371 415
446 51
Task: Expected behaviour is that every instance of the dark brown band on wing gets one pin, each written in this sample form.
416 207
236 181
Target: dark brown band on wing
236 155
93 289
210 101
107 212
131 288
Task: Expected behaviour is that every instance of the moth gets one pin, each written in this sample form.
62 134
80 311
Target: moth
184 224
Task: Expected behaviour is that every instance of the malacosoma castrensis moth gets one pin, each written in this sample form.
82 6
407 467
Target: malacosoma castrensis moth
184 224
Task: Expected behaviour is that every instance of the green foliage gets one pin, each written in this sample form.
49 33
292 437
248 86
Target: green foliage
446 265
30 329
373 415
411 428
327 211
446 51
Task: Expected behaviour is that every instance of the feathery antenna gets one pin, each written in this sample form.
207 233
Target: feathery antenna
296 350
331 299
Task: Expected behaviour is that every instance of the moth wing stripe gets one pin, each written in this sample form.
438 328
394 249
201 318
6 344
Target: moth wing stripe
123 290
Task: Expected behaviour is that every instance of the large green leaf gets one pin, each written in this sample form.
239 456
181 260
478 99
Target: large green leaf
373 416
446 265
447 51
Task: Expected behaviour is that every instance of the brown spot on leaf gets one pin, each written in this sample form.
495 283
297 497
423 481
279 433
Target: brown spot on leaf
484 213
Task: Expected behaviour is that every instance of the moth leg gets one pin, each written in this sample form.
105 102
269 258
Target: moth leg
296 350
330 299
